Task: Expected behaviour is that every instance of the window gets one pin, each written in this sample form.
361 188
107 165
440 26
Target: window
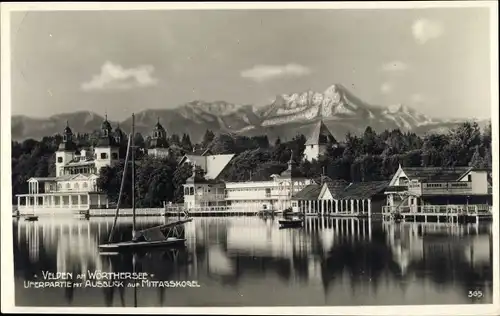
59 159
59 186
85 185
114 155
104 156
67 185
469 178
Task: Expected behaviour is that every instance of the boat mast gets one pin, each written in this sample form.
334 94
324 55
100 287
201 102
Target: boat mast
133 176
121 191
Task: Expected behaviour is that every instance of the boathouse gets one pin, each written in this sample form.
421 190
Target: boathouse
341 198
419 189
204 188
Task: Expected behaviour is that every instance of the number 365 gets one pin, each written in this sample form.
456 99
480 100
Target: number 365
476 294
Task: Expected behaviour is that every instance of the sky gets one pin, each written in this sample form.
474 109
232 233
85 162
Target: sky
119 62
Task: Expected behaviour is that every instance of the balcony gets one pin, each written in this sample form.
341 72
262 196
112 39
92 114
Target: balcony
438 188
447 188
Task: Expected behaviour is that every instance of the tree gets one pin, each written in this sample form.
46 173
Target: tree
175 140
208 138
223 144
186 143
277 142
477 160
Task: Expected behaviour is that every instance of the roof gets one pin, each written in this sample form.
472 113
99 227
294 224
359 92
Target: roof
80 163
201 152
435 173
336 187
364 190
106 125
67 146
66 177
310 192
67 130
397 188
213 165
320 135
106 141
42 179
158 126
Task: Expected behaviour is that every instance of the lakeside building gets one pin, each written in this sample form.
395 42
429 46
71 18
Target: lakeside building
204 188
420 188
273 194
341 198
74 186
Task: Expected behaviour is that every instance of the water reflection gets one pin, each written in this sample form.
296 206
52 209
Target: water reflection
250 261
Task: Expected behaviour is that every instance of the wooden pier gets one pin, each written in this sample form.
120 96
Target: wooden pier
439 213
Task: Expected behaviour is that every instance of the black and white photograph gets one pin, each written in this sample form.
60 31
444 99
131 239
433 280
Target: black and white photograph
250 158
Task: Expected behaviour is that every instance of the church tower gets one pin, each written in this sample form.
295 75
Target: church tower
106 152
66 151
318 141
158 146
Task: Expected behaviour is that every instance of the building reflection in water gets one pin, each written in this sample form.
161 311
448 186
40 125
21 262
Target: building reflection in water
234 252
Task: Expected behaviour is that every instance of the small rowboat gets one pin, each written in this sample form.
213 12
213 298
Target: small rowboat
284 223
31 218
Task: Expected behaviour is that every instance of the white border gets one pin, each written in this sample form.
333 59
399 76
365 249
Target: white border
7 277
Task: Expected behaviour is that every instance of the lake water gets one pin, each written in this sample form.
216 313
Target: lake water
249 261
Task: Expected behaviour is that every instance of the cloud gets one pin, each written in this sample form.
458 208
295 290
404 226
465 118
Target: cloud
417 97
395 66
386 87
262 73
114 76
425 30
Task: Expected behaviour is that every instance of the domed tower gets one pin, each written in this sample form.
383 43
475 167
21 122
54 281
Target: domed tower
66 151
158 146
106 152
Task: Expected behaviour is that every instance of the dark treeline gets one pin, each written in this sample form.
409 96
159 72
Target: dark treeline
367 157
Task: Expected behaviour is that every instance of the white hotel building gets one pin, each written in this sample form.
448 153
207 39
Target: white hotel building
275 194
205 190
74 187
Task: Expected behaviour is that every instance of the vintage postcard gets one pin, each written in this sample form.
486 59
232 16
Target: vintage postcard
250 158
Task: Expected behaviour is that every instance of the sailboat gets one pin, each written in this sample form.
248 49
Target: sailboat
167 235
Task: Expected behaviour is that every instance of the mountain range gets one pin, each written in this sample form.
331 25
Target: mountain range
286 116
